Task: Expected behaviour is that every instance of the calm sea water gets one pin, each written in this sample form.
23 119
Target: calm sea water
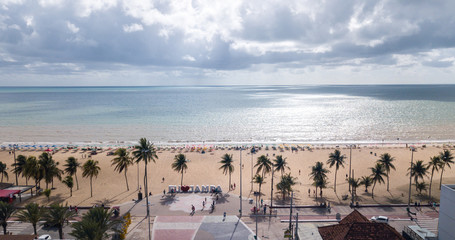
228 113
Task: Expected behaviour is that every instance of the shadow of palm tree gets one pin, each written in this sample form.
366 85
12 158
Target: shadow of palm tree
168 199
394 200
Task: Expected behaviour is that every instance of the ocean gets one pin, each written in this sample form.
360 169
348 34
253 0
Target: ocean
228 114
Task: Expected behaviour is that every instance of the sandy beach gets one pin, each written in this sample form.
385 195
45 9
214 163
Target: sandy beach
203 169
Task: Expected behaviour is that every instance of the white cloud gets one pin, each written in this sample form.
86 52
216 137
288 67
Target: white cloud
188 58
72 27
133 27
197 39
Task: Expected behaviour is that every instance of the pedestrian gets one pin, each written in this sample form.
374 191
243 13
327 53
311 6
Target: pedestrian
164 192
234 186
265 208
309 191
75 209
299 171
163 179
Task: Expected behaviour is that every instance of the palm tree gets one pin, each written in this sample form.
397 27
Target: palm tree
280 164
19 166
319 175
421 186
68 181
6 210
263 165
32 214
354 183
259 180
386 161
377 173
336 159
122 162
71 167
47 193
33 169
56 216
3 170
179 165
418 170
95 224
446 159
146 152
366 181
49 168
285 184
320 183
435 163
227 166
91 169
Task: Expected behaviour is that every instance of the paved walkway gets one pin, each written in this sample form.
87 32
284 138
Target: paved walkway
174 212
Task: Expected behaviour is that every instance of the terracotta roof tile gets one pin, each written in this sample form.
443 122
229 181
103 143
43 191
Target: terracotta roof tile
355 226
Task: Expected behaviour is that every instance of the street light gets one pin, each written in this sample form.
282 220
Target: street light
350 157
252 152
15 166
240 182
144 154
410 176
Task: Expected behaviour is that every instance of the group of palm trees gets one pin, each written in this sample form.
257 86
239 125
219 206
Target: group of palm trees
382 168
95 224
46 168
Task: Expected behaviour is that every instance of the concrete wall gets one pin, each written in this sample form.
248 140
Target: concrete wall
446 228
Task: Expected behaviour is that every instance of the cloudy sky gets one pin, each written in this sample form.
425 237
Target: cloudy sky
138 42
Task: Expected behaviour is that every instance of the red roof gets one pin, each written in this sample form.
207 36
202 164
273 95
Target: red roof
6 193
355 226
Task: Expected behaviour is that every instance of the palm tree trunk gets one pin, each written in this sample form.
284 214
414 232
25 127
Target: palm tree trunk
440 181
372 190
71 192
431 180
126 179
387 181
335 185
91 189
181 180
2 177
26 183
77 183
60 232
229 180
4 228
146 188
34 229
260 192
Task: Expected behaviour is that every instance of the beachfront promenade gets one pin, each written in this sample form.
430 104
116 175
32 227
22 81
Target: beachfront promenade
171 216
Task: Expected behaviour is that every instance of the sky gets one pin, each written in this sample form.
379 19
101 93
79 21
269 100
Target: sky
183 42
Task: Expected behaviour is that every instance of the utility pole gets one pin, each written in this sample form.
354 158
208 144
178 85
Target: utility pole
290 214
296 235
240 182
252 152
271 194
14 154
410 177
350 156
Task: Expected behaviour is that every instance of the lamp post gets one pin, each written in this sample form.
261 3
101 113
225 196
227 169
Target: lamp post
271 193
240 182
138 176
410 176
252 152
350 157
15 166
144 154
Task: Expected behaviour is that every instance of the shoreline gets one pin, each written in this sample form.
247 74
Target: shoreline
245 144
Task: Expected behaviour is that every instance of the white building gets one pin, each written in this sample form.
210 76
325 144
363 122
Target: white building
446 228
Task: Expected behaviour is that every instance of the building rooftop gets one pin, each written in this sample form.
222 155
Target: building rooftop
355 226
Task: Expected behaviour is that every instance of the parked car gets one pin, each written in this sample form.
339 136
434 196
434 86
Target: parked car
44 237
381 219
